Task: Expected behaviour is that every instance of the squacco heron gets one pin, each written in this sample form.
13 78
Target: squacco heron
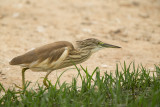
58 55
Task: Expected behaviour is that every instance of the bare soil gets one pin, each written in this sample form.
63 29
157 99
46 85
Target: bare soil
132 24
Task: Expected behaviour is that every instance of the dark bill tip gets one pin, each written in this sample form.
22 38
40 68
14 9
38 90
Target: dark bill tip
110 46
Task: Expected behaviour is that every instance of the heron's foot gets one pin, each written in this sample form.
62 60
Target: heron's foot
21 91
18 86
44 82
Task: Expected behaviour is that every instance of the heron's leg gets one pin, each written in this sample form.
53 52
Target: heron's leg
23 79
45 79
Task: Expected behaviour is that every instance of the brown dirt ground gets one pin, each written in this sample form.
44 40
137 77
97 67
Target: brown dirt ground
132 24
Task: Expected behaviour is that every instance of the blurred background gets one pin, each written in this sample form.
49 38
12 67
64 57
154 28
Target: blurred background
132 24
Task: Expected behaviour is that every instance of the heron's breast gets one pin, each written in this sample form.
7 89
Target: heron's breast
75 59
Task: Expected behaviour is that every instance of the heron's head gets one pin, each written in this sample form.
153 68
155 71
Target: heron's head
94 45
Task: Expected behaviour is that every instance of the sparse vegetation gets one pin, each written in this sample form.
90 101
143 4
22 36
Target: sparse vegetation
127 88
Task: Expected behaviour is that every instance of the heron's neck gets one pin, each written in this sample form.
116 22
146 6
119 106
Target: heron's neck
88 49
83 50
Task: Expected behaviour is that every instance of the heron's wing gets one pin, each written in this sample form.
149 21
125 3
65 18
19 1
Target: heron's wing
50 60
51 51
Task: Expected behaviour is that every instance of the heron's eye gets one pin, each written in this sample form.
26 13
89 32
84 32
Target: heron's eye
100 43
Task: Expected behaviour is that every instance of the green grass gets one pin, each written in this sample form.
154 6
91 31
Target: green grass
133 88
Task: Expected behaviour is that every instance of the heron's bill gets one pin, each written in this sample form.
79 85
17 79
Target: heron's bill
109 45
